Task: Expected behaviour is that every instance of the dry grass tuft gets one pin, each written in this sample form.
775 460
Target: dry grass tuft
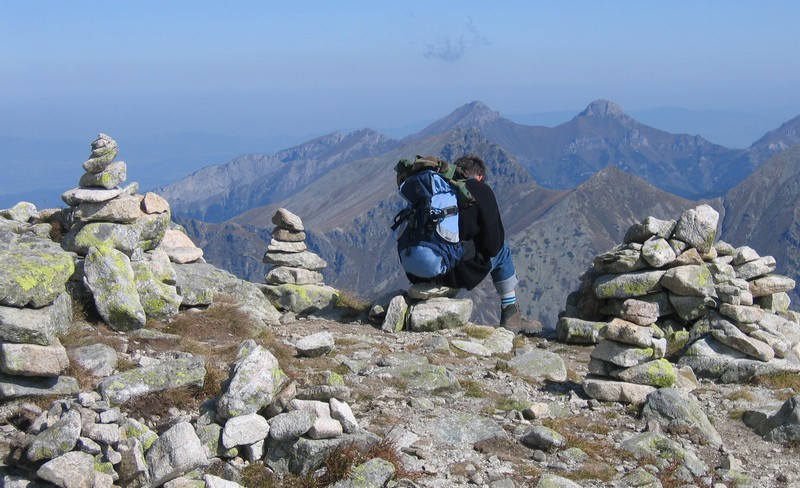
339 464
222 321
783 380
508 404
473 389
477 332
256 475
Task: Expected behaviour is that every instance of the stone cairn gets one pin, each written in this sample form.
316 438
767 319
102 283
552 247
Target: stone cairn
672 292
124 238
295 281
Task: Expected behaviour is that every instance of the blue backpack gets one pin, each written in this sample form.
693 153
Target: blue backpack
429 246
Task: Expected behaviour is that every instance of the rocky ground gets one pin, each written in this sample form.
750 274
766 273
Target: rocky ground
470 434
492 393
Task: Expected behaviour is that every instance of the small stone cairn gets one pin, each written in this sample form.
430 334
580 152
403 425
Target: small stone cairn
295 280
671 291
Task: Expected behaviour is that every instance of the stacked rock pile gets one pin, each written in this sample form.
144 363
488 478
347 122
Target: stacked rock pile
295 280
261 417
119 235
672 290
114 254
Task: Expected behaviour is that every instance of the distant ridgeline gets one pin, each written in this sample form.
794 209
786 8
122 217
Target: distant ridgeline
567 193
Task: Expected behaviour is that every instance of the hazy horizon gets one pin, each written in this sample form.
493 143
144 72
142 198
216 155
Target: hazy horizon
286 71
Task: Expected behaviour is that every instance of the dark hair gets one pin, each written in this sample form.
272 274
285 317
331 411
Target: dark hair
470 165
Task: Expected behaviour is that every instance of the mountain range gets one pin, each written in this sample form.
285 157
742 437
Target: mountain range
567 193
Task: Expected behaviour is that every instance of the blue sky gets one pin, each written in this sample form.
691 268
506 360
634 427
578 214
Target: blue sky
71 69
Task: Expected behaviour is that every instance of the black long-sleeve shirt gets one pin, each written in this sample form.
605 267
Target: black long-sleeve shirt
481 230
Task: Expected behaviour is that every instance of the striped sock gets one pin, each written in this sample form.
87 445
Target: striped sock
509 298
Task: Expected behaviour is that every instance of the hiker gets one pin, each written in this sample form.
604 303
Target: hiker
454 235
486 250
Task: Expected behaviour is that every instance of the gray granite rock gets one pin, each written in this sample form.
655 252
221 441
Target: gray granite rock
630 285
109 276
439 313
537 363
57 439
698 228
256 379
315 345
176 452
291 425
35 271
691 280
544 438
396 315
36 326
375 472
35 386
607 390
293 276
161 376
70 470
244 430
678 414
577 331
287 220
33 360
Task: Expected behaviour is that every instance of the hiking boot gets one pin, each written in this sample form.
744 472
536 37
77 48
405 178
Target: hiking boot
511 319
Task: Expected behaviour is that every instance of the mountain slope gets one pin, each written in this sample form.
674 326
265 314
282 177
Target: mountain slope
217 193
763 212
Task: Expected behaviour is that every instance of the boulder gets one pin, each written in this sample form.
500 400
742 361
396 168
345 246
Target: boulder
439 313
35 271
678 414
616 391
577 331
71 470
315 345
396 315
244 430
256 379
304 299
58 439
176 452
630 285
698 228
109 276
291 425
201 283
32 359
537 363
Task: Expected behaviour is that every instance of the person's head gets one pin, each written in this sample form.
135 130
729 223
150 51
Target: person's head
471 166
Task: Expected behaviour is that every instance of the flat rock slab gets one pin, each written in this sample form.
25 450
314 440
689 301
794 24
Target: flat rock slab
536 363
465 427
162 376
22 386
36 326
616 391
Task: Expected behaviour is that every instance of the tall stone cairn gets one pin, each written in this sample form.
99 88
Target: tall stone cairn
119 237
672 291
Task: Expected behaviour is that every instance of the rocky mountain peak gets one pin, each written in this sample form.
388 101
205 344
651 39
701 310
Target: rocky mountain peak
603 108
473 114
